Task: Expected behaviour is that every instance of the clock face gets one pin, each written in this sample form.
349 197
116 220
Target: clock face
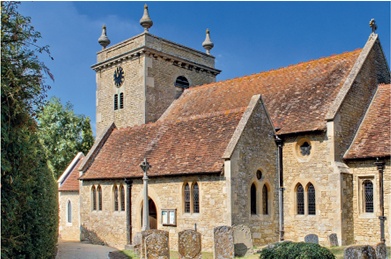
118 76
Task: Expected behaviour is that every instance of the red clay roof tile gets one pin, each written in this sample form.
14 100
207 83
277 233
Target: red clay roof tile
186 146
374 136
297 97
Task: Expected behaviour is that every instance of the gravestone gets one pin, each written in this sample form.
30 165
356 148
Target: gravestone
359 252
223 242
243 241
381 251
156 245
333 239
189 244
311 238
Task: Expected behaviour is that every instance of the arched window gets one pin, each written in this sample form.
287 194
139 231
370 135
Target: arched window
93 197
121 100
99 197
196 203
181 84
311 199
69 212
265 202
300 199
368 196
122 193
187 198
116 102
253 202
115 192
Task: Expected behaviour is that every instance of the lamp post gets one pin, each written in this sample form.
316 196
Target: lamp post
380 167
145 166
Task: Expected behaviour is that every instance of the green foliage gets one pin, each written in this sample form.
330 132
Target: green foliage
291 250
29 207
63 134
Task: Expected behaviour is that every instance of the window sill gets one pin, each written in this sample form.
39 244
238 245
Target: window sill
367 215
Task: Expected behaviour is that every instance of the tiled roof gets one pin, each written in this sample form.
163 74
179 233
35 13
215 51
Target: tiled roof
186 146
297 97
374 136
71 182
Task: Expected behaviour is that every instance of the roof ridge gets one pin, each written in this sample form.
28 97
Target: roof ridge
214 84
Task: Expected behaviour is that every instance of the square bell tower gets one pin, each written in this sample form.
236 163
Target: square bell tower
137 79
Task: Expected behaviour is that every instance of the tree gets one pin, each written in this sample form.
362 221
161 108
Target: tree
63 134
29 207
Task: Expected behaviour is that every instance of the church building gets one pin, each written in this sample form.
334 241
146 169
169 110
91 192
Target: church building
299 150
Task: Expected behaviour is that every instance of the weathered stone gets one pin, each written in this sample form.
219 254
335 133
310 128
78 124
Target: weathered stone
381 251
359 252
243 242
311 238
189 244
333 239
223 242
156 245
141 236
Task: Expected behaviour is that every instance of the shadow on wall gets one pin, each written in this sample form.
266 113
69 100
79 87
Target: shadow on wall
91 236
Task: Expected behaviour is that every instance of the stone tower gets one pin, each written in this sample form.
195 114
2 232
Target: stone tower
137 79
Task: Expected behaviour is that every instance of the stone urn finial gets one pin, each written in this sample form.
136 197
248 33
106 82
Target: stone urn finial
103 39
207 44
146 21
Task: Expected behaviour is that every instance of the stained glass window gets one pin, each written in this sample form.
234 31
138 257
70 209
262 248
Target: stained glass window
93 194
196 204
253 199
368 196
300 199
99 197
311 200
122 193
187 198
69 212
115 198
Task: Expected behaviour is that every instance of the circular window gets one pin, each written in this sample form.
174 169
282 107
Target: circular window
304 149
259 174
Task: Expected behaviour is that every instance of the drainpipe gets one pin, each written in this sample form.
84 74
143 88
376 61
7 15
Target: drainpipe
380 167
129 183
280 143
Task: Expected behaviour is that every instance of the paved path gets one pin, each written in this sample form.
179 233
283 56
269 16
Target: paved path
82 250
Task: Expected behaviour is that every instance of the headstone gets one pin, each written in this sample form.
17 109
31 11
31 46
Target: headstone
381 251
359 252
311 238
139 242
189 244
333 239
243 242
156 245
223 242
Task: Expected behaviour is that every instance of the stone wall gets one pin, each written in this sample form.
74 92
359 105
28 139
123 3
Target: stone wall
151 66
255 150
69 230
105 226
355 104
367 225
167 193
317 169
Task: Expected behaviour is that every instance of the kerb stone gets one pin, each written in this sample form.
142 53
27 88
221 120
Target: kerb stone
243 242
189 244
223 243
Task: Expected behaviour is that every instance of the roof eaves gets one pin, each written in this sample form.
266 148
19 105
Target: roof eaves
69 169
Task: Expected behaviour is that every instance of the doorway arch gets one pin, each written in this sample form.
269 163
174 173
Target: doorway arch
152 214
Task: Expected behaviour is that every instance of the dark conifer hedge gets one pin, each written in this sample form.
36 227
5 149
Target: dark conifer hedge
291 250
